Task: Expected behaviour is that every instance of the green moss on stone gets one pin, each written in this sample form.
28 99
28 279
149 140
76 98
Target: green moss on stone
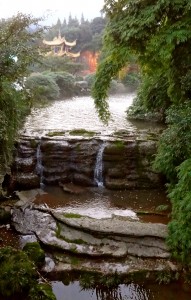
72 215
35 253
55 133
119 144
82 132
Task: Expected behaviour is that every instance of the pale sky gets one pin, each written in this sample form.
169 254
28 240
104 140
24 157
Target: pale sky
53 8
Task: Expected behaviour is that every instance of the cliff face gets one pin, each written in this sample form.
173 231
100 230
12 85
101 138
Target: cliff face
90 60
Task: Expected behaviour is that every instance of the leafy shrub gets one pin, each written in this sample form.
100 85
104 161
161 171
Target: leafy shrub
35 253
65 82
179 239
41 291
175 142
17 274
42 87
173 159
152 99
90 79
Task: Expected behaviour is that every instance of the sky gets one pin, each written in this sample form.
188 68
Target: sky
52 9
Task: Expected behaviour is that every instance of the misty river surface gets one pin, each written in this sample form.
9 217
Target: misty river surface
78 113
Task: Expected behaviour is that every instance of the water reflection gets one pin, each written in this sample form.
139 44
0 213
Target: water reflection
104 203
122 292
132 291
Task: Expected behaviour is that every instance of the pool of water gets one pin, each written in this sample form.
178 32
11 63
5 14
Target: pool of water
132 291
103 203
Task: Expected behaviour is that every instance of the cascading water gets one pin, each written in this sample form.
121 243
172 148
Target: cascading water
39 166
98 172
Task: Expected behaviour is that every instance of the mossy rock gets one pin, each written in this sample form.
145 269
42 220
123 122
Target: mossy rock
41 291
35 253
82 132
55 133
17 274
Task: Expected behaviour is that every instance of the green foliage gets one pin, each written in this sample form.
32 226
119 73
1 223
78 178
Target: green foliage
173 159
152 99
90 79
35 253
65 82
42 87
180 226
158 34
18 48
17 274
42 291
109 67
175 142
57 64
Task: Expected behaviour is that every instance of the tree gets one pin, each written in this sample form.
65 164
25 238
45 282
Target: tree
18 49
158 33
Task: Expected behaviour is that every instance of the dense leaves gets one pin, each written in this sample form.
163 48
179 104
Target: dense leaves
18 49
42 87
158 33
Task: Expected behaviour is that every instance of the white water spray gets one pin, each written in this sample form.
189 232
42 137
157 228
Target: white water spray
39 167
98 172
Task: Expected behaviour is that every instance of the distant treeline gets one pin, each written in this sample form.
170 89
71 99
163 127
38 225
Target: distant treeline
87 33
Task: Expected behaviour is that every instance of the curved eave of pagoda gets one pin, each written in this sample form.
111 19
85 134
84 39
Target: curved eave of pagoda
72 44
57 42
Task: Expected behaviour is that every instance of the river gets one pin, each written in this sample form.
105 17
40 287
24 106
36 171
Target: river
80 113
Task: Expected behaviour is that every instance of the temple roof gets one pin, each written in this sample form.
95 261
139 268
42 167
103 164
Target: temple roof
58 41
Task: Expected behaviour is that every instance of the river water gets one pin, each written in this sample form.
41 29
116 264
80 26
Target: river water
80 113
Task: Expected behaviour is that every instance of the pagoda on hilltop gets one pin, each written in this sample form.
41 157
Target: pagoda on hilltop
60 47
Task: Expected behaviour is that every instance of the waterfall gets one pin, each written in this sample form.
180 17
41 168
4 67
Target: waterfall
39 167
98 172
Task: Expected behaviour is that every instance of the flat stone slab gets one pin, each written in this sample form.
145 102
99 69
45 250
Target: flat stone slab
129 266
83 235
114 225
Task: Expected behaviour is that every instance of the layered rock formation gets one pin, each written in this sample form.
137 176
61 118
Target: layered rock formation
126 163
123 245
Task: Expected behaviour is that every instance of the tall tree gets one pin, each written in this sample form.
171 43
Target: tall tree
158 32
18 48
